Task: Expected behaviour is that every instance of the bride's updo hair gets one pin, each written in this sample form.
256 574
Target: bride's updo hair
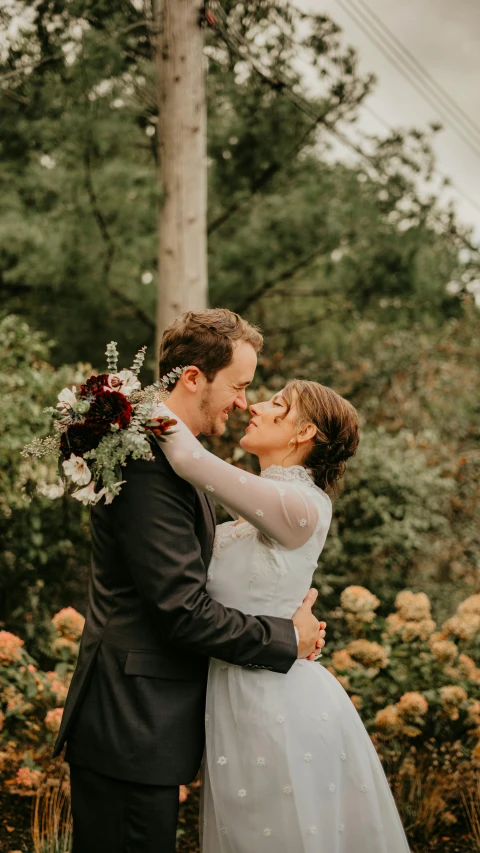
336 421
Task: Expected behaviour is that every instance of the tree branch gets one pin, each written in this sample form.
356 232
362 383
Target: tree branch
268 173
270 283
110 246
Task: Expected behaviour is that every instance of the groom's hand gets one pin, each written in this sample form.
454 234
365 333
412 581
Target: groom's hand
311 632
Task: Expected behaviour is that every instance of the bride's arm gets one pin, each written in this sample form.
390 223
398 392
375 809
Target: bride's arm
280 510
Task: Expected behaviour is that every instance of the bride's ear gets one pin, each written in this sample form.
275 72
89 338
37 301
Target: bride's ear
306 433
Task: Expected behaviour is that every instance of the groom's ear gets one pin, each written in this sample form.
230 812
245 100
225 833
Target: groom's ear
192 378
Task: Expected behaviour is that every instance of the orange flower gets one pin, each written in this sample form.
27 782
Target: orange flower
444 651
27 778
411 606
10 648
53 720
412 705
357 701
69 623
421 629
387 720
358 600
57 687
342 660
367 653
2 720
452 697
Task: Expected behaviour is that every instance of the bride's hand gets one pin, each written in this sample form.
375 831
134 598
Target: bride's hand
309 631
320 642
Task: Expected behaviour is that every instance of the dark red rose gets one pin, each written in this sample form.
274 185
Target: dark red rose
79 439
94 385
109 407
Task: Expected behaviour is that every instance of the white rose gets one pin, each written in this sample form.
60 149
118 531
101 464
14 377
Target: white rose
67 399
125 382
77 469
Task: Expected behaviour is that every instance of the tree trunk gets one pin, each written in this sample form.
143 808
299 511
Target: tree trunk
182 249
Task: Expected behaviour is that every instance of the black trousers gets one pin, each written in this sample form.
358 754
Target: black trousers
113 816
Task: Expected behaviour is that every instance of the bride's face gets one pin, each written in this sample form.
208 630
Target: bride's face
270 430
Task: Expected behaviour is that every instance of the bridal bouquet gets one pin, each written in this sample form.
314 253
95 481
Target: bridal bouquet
97 427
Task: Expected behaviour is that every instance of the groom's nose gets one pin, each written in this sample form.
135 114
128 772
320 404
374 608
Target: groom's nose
241 400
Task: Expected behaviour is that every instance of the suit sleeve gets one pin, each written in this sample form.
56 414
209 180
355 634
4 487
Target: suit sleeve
155 528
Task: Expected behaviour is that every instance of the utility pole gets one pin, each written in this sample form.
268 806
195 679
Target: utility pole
182 243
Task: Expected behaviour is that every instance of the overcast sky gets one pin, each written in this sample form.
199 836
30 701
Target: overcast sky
445 37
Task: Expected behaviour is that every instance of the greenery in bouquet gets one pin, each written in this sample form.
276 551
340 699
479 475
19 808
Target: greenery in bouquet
97 427
31 702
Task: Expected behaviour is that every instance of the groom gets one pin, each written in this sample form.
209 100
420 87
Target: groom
134 715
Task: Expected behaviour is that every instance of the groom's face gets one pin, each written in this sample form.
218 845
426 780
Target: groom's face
227 391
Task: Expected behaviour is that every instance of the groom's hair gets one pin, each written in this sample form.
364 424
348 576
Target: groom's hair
205 339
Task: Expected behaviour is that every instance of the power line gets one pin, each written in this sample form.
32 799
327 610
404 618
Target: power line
468 198
434 84
412 77
283 86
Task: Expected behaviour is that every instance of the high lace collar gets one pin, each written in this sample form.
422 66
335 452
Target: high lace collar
294 472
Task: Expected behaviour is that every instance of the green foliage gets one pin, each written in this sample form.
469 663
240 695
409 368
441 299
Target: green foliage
389 517
44 550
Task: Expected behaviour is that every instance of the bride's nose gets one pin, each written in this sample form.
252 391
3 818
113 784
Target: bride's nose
253 409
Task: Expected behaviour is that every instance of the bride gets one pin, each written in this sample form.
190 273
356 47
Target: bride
289 766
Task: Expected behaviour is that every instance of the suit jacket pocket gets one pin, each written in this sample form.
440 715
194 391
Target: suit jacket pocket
156 664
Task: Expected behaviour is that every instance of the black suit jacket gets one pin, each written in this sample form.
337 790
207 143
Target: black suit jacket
135 708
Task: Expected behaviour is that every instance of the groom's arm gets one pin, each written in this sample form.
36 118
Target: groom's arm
155 527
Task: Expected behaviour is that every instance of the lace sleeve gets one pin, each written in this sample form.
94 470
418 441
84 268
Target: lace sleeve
283 511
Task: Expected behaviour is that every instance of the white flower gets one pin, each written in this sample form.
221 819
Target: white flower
313 830
223 830
87 495
242 480
242 792
222 760
207 717
77 469
280 719
308 756
112 491
261 762
125 381
331 786
259 512
67 399
302 522
52 491
324 716
209 488
343 757
364 789
267 831
209 576
341 827
197 455
287 789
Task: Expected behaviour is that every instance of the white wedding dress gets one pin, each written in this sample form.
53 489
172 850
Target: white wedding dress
289 766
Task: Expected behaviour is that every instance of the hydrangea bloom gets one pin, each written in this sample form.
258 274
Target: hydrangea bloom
367 653
10 648
53 720
69 623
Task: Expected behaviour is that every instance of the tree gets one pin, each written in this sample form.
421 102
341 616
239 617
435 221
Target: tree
182 255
